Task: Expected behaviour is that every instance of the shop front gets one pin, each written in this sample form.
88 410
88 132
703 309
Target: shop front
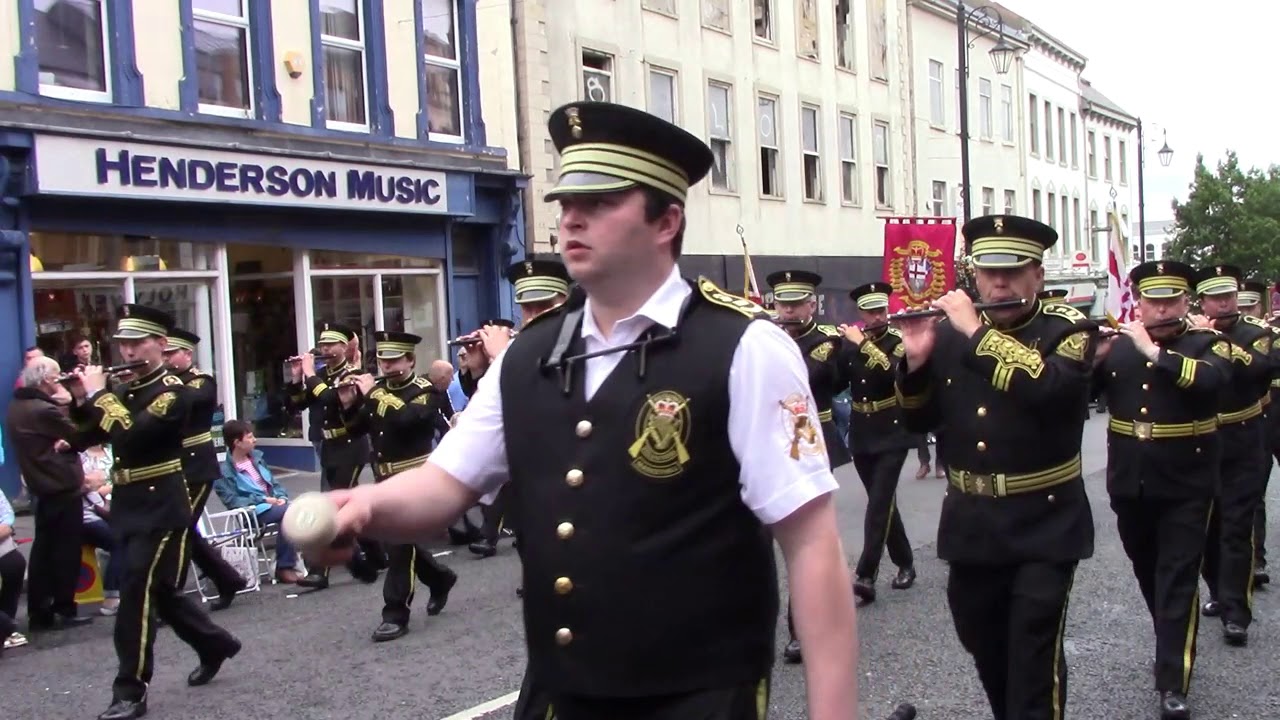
250 251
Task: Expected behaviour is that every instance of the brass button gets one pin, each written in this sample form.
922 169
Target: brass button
583 429
563 586
948 381
982 412
573 477
564 636
1142 411
1146 386
981 446
1113 373
1150 364
151 488
864 399
564 530
1052 499
864 381
895 422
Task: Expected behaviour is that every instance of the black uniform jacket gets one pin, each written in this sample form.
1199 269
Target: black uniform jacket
1162 439
199 457
875 423
820 345
1009 407
144 422
402 418
339 447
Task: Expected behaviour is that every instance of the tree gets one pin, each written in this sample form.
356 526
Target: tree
1232 216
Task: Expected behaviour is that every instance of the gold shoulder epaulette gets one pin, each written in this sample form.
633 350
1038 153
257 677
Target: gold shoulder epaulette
173 380
714 295
1064 311
421 382
894 331
1255 321
829 330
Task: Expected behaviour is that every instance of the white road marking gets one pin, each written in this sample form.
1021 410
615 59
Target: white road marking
442 553
483 709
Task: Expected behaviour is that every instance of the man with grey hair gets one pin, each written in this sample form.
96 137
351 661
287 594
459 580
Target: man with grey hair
43 439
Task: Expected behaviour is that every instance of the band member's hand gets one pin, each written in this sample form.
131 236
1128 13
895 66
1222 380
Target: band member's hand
853 334
354 515
365 383
308 364
917 340
1199 321
1141 340
1103 349
61 445
92 379
347 394
61 395
960 311
494 339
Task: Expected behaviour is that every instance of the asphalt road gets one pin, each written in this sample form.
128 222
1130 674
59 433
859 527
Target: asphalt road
308 655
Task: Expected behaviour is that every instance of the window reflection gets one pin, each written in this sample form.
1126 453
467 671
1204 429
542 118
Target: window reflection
83 252
263 334
70 44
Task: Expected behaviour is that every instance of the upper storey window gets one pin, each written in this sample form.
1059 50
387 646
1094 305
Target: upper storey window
71 44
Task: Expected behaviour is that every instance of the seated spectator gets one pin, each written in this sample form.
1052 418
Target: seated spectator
97 462
12 568
247 482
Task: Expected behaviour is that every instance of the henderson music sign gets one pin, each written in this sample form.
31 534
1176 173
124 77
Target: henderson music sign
90 167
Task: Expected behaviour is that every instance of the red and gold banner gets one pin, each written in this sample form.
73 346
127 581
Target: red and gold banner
919 260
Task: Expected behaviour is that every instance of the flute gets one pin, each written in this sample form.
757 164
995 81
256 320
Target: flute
789 321
314 352
111 371
1106 332
351 379
939 312
468 340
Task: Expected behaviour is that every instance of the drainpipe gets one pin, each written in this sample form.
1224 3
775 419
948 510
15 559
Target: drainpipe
522 126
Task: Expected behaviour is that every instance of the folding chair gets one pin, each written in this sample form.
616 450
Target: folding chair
235 534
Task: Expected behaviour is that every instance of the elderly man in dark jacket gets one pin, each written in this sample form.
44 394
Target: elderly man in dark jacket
43 438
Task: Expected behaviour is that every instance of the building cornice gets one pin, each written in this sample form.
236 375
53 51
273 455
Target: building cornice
1055 48
946 9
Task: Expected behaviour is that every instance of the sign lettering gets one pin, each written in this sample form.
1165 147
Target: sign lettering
89 167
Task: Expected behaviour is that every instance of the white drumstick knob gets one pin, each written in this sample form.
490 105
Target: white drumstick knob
310 522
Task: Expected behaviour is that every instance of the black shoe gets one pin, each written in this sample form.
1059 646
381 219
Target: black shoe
905 578
440 594
389 631
227 594
57 622
484 548
316 581
125 710
520 592
1261 577
362 570
1173 706
1211 609
1235 634
209 667
864 589
791 653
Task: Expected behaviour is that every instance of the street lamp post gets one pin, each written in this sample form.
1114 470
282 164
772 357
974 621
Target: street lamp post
1001 57
1166 156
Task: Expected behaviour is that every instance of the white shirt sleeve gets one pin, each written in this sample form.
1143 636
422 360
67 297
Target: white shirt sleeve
475 450
773 425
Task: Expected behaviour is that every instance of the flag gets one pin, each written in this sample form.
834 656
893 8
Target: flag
919 260
1120 301
750 287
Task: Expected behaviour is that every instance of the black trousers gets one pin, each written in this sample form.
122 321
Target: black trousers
55 557
882 524
407 565
1164 539
12 567
153 562
211 563
747 702
345 477
1228 552
1011 619
1260 516
495 516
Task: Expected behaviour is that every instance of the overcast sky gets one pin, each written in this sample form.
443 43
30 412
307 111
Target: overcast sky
1204 72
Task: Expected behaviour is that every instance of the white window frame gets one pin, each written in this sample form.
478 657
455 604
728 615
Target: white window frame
770 12
610 73
1106 158
1006 102
1048 131
938 198
1075 215
778 171
1091 153
986 124
816 193
456 66
887 201
1075 143
1033 124
1122 153
850 187
937 101
78 94
361 46
675 89
988 201
1010 202
1062 137
1035 204
1064 230
850 39
730 166
242 23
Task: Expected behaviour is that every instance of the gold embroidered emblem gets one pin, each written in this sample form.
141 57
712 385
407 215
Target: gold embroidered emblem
716 296
875 358
660 450
804 436
822 352
575 122
160 406
899 350
113 413
788 276
918 272
1242 355
1222 350
999 224
1262 345
171 380
1074 346
979 486
197 383
528 268
1010 356
1160 268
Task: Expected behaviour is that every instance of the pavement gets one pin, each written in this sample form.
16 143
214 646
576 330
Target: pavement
308 654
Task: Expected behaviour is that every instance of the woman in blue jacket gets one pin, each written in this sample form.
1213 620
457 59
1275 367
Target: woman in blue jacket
247 482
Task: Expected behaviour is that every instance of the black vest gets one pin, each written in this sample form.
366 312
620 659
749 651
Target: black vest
633 530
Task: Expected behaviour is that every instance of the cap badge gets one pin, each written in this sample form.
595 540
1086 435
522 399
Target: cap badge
126 310
528 268
1219 268
999 223
1160 268
788 276
575 122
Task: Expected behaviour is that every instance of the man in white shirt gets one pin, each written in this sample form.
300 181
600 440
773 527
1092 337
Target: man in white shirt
657 436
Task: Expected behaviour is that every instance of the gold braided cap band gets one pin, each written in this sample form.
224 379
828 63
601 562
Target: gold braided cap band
1219 285
873 301
1004 251
609 167
539 288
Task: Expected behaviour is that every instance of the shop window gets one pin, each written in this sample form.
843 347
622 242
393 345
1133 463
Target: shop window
75 252
71 42
72 313
413 304
190 304
404 303
264 334
333 260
